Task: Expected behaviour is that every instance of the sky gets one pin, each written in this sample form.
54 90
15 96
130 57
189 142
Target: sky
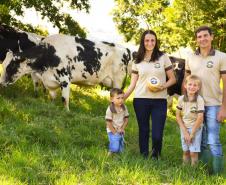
98 23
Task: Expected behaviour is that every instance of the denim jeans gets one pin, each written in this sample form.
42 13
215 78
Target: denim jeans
116 142
155 109
211 131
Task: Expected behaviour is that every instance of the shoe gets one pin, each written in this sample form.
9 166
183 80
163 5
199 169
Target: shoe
218 165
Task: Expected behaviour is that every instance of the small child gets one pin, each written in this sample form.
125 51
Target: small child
117 120
189 115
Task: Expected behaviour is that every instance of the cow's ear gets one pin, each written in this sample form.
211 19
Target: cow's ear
9 53
134 54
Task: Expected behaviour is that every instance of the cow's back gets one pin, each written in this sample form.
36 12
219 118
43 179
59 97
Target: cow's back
90 61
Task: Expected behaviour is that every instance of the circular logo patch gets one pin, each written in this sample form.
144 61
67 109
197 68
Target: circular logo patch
193 109
209 64
157 65
153 81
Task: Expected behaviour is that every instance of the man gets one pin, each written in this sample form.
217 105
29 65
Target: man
210 66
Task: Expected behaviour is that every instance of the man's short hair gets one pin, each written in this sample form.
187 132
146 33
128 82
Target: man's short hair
115 91
203 28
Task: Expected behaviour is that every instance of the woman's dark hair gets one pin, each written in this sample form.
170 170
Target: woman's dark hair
141 51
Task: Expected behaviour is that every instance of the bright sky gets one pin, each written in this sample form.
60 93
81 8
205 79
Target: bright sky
98 23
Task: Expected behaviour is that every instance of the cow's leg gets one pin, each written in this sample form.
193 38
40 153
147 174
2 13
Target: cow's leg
65 87
35 80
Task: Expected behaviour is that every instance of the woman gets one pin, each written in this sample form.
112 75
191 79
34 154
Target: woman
150 62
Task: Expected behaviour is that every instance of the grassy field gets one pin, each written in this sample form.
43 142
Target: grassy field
41 143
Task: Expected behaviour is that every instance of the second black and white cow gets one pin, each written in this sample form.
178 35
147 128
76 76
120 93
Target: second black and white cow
61 60
16 40
179 69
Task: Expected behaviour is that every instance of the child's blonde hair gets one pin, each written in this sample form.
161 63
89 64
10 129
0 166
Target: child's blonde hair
193 78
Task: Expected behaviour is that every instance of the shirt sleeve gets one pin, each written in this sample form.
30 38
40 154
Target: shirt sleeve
179 103
200 105
109 115
223 64
167 63
126 113
134 68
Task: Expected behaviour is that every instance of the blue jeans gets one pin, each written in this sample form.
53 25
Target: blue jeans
116 142
155 109
211 131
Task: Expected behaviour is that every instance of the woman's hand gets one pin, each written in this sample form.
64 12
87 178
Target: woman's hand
158 88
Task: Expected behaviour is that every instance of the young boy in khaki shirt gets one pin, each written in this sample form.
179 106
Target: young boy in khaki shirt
117 120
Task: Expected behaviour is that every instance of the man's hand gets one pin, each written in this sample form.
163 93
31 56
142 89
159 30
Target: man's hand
221 114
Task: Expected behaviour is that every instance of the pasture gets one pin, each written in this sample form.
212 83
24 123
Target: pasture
42 143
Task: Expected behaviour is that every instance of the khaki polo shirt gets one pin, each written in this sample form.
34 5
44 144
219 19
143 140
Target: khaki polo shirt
208 69
145 70
190 110
116 116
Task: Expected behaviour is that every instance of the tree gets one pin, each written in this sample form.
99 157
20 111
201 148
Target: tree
174 23
47 8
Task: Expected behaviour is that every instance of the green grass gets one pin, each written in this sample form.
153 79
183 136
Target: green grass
42 143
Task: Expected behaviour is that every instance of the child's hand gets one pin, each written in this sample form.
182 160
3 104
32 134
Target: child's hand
121 131
192 136
187 138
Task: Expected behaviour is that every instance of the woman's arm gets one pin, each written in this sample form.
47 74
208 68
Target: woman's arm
171 79
133 82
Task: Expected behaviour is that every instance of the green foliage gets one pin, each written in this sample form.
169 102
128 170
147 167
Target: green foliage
48 9
174 23
41 143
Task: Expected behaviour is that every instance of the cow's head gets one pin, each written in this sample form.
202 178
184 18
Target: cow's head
14 66
15 40
179 68
127 58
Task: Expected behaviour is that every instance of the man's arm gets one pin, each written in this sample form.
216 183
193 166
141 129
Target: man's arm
222 113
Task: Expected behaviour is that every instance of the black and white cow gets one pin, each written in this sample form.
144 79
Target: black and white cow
179 69
61 60
17 41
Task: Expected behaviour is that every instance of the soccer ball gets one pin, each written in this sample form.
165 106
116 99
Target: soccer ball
153 83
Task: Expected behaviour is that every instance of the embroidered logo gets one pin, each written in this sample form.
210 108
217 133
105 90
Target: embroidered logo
209 64
193 110
157 65
154 81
